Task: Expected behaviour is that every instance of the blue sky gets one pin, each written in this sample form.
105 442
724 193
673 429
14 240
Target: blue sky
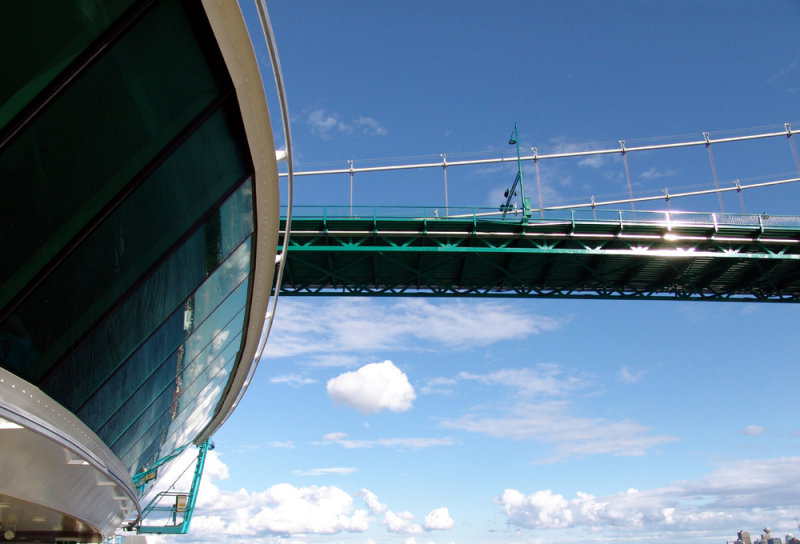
416 421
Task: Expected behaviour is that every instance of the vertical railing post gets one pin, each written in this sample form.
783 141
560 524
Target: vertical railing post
627 172
714 170
351 187
444 169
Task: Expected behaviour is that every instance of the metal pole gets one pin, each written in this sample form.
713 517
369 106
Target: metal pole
627 173
714 171
444 169
525 207
538 180
788 127
351 188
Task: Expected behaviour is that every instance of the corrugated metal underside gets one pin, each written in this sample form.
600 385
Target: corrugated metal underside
454 257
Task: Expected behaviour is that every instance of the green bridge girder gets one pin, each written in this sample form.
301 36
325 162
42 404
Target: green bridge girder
621 255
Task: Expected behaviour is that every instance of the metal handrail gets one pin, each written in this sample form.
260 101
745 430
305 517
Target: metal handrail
627 217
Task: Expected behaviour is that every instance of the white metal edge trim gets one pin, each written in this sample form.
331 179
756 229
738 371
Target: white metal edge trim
230 30
277 71
28 406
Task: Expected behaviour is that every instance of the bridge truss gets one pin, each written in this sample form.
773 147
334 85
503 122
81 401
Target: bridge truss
565 254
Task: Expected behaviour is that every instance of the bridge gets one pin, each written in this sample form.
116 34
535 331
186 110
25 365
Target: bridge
566 251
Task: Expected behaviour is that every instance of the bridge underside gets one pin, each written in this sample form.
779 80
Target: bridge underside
554 259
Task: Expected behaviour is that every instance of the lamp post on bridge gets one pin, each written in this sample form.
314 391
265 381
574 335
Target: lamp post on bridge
510 193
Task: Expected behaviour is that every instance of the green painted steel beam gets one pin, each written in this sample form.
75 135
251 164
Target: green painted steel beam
475 257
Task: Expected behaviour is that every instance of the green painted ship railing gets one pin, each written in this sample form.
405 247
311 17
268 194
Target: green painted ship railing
170 511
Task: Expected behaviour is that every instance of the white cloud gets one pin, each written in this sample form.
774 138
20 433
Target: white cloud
295 380
542 509
335 360
289 445
372 388
783 71
325 471
413 443
544 379
657 173
284 508
437 386
544 412
402 523
593 161
326 328
552 423
741 493
375 506
439 520
282 513
370 126
629 376
281 509
220 339
324 124
753 430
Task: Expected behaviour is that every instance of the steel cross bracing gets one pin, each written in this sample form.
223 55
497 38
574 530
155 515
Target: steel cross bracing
619 255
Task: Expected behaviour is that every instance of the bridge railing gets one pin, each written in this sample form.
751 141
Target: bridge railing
576 215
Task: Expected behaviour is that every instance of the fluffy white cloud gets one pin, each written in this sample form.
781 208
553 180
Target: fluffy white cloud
439 520
220 339
284 508
279 510
547 510
283 512
542 509
323 329
375 506
372 388
402 522
324 124
741 493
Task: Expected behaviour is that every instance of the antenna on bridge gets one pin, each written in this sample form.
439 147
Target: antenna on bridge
511 193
